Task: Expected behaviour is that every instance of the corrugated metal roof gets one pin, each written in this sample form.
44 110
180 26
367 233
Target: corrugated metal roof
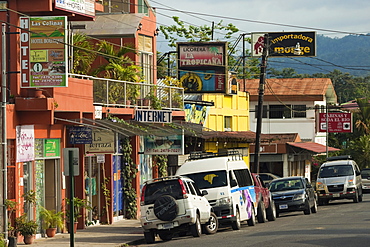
312 146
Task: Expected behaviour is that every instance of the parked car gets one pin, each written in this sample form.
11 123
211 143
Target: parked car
365 177
229 184
339 178
268 177
266 206
172 205
293 194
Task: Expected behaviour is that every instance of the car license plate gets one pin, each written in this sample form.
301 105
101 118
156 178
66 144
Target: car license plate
283 206
336 195
167 225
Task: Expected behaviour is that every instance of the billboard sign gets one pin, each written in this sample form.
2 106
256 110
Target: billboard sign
43 51
285 44
83 7
80 135
338 122
202 66
102 142
169 145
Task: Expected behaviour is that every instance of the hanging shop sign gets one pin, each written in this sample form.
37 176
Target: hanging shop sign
338 122
25 143
169 145
83 7
102 142
51 148
285 44
43 51
202 66
80 135
153 116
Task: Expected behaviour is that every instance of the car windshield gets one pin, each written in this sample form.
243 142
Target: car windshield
211 179
286 184
335 171
365 174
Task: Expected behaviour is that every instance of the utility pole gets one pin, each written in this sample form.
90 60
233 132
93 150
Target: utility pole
261 91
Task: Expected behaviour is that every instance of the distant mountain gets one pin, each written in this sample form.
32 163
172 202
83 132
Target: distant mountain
348 54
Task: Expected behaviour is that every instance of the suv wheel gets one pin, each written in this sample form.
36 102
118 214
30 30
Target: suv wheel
307 210
355 199
271 211
149 237
196 229
212 226
165 208
252 220
261 213
314 208
165 236
236 224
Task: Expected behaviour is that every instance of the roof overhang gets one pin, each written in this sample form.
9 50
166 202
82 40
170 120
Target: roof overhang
312 147
111 25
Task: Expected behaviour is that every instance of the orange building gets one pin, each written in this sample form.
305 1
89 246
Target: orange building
42 119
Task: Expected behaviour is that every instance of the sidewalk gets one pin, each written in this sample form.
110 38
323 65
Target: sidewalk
121 233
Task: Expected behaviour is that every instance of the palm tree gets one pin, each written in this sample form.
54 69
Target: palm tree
83 55
363 121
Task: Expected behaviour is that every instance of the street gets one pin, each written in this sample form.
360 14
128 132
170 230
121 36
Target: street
341 223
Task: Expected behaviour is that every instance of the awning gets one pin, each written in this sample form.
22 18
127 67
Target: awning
312 146
130 128
112 25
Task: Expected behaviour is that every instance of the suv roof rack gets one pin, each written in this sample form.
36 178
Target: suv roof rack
235 155
163 179
342 157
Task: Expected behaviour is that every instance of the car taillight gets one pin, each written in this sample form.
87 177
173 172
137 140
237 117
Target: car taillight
183 189
143 195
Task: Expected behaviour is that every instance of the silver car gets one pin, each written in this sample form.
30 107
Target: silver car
365 176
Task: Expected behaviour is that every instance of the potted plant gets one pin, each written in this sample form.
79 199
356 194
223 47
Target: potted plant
78 204
27 228
51 220
132 92
12 231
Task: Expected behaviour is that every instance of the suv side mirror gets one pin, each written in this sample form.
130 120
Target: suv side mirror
204 192
358 173
233 183
309 185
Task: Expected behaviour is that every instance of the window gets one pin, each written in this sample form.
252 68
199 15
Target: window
264 111
227 123
299 111
211 179
143 7
121 6
280 111
243 177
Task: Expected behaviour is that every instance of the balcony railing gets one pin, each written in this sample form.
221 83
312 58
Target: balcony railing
116 93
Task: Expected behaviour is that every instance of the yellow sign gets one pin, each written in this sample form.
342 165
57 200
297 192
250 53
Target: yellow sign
38 56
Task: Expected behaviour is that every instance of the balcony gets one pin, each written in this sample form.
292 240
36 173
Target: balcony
115 93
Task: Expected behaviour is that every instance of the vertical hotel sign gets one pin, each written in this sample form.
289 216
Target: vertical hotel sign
43 51
202 66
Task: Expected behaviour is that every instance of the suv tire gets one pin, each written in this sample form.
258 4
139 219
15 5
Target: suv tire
165 236
252 220
149 237
196 228
165 208
271 211
261 212
212 225
236 224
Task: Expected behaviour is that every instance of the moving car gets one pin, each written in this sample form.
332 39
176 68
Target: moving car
172 205
339 178
293 194
365 177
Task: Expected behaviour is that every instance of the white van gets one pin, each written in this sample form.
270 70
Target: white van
339 178
228 182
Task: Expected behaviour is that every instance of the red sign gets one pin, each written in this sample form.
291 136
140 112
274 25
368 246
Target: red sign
337 122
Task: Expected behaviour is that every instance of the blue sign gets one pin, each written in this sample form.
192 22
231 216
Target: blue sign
80 135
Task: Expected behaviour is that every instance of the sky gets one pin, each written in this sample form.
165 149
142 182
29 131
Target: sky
332 18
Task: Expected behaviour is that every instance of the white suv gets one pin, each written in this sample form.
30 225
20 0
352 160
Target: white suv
172 205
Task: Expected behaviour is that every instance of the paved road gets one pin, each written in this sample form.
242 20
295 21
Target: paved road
341 223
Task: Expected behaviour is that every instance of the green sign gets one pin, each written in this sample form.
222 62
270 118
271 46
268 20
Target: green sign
51 148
